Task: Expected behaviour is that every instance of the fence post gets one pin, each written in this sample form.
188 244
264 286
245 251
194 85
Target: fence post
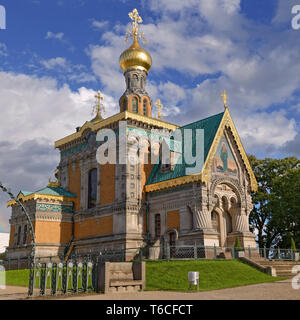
279 254
232 252
215 252
195 252
265 252
249 252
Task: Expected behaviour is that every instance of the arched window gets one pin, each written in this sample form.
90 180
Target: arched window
157 225
19 236
134 105
135 80
145 107
25 235
92 190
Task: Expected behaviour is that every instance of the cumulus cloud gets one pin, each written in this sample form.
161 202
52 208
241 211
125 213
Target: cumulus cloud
99 24
54 62
35 112
55 36
292 147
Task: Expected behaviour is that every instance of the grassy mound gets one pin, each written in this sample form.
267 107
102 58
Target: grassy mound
213 275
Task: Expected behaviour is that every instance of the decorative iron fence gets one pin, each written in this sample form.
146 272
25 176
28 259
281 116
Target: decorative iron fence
54 278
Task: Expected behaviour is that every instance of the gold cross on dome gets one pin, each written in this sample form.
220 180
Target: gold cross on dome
136 20
99 97
159 106
225 99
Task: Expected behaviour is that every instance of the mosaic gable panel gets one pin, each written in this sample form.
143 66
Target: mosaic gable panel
224 161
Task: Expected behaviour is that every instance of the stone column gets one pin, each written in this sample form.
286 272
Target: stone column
241 222
201 219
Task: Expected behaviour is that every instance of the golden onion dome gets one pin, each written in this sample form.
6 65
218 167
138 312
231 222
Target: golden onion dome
135 58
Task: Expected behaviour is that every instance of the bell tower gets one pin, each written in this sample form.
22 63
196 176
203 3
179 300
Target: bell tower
135 62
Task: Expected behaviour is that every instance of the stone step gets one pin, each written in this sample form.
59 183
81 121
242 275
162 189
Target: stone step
285 274
269 263
122 289
124 283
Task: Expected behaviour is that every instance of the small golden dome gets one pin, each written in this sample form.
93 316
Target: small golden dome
135 58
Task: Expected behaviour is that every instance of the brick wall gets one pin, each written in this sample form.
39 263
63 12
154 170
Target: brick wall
107 184
53 232
94 227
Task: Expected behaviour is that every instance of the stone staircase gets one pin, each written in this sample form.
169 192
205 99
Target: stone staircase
279 268
122 276
282 268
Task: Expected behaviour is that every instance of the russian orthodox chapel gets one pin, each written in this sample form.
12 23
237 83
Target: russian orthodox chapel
117 206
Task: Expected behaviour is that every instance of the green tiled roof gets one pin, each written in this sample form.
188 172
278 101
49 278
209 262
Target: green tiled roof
55 191
210 126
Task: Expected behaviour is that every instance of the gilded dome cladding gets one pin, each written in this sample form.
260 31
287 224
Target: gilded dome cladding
135 58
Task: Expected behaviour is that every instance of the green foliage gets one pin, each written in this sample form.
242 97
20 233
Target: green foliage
213 275
237 245
2 256
277 201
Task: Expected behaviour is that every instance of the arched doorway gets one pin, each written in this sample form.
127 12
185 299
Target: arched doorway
225 210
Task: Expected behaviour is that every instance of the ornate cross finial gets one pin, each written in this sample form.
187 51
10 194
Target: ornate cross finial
98 107
159 107
134 32
225 99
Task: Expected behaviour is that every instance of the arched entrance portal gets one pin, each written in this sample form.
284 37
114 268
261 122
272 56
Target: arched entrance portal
224 212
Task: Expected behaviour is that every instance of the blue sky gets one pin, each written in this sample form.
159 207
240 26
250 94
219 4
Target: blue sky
54 54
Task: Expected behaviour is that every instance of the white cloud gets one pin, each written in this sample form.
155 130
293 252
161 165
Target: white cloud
35 112
99 24
56 36
262 130
54 62
40 108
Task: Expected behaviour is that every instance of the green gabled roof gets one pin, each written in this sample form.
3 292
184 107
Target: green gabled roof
210 126
55 191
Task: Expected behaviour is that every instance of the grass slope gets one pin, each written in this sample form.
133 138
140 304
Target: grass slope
18 278
213 275
172 275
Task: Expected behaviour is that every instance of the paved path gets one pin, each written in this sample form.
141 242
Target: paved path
266 291
281 290
13 293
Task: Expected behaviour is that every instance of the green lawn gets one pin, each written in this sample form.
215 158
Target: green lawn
172 275
213 275
18 278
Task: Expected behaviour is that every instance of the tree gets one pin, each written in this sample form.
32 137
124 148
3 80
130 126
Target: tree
275 213
237 245
286 206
